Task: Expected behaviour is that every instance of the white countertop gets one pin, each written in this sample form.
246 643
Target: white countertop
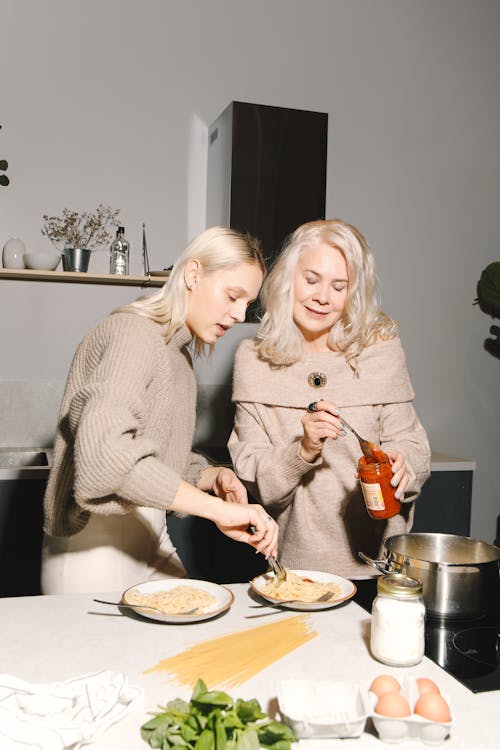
444 462
53 638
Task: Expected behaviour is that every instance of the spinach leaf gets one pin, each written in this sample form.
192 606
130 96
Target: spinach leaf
249 710
205 741
212 720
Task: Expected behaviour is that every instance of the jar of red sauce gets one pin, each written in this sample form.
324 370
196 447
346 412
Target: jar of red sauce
375 476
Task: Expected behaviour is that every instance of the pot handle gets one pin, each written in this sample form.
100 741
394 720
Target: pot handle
383 566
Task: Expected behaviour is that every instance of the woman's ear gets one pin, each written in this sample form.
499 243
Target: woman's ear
191 273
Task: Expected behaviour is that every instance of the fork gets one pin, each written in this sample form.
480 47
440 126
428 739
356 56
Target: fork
277 606
143 606
278 569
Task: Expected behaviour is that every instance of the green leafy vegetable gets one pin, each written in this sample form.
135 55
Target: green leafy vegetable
212 720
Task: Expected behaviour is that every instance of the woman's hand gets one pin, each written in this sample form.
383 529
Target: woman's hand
401 475
320 421
224 483
235 520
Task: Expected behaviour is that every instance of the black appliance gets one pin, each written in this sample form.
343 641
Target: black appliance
266 170
469 650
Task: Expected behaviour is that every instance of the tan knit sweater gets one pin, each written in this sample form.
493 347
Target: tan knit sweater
319 507
126 424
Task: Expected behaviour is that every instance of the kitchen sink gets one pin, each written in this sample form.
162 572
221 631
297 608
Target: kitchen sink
24 462
22 457
23 478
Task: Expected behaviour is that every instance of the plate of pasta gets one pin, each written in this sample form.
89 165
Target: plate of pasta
304 589
178 600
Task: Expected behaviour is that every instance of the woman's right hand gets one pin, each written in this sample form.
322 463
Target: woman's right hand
232 518
319 423
235 520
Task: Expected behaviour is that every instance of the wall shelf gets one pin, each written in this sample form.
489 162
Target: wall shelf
26 274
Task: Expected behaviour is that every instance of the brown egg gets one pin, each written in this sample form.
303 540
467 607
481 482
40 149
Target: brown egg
393 704
384 683
425 685
433 706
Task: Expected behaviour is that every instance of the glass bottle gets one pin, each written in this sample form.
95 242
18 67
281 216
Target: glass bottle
375 477
398 621
119 253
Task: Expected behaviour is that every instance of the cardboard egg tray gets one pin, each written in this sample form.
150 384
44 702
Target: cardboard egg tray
329 709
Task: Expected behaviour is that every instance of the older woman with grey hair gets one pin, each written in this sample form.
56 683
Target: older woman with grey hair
122 454
324 343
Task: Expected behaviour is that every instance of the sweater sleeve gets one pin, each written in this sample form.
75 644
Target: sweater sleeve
196 465
114 461
401 430
271 473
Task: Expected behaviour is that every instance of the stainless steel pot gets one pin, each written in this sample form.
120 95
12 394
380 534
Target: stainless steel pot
460 575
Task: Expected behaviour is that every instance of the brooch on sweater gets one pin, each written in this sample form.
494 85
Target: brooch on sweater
316 379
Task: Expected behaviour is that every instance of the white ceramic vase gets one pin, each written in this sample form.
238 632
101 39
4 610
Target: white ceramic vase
13 251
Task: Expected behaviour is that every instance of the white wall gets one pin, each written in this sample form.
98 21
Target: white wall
109 101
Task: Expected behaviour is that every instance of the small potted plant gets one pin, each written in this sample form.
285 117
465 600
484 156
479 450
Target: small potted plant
76 234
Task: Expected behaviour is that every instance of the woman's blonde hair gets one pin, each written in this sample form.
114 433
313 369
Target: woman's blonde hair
362 322
216 249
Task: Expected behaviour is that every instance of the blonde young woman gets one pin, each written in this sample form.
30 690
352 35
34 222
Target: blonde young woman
122 454
324 341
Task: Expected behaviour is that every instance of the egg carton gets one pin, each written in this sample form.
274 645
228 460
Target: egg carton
323 708
394 730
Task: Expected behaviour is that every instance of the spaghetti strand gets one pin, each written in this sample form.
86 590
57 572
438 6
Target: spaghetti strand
233 659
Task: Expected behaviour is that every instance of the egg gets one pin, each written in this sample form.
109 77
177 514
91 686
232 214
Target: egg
393 704
433 706
425 685
384 683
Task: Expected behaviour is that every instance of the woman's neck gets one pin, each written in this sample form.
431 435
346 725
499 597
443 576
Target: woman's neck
316 345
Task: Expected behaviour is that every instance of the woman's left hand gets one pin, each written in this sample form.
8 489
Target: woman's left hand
401 476
224 483
228 487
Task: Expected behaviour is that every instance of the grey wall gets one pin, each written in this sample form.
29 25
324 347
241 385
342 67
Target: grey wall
110 100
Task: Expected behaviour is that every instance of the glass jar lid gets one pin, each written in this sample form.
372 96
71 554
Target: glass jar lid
397 584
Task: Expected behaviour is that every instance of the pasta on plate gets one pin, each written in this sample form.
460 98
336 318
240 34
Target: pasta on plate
298 588
175 601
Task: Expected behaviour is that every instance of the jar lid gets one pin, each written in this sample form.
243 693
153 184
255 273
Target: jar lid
399 585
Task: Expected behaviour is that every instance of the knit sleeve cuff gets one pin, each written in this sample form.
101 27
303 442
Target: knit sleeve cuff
293 467
196 465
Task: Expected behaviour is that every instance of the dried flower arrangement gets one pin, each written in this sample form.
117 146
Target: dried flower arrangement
84 230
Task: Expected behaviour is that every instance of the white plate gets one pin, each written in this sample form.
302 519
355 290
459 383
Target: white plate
348 589
224 599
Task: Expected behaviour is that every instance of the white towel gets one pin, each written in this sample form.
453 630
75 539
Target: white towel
61 715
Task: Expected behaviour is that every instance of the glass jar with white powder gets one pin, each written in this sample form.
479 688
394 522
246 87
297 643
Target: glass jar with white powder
398 621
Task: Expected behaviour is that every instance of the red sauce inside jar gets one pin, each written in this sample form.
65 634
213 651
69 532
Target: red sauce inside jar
375 477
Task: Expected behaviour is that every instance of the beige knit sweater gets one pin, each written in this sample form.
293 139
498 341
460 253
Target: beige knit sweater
319 507
126 424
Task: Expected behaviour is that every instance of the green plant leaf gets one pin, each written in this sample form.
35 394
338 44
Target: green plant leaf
249 710
248 739
205 741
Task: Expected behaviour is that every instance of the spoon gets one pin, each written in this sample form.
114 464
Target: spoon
368 448
145 606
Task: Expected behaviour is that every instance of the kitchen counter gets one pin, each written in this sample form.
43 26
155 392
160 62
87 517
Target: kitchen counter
49 638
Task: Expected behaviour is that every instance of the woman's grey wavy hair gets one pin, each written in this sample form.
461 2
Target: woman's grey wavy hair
216 249
362 322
